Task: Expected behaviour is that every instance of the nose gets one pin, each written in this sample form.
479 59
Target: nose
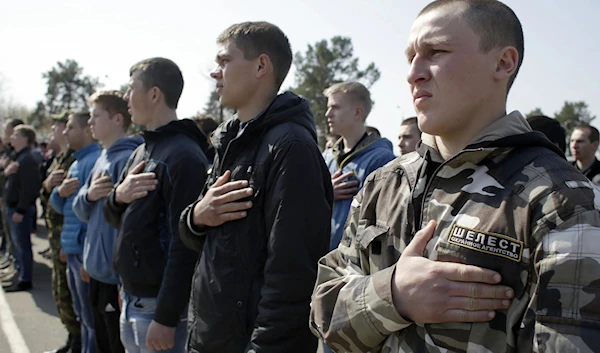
328 113
90 121
126 95
216 73
419 70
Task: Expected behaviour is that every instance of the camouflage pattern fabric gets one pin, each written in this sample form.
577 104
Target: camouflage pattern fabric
523 212
62 161
60 288
54 220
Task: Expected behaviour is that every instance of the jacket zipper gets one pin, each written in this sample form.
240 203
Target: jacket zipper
426 191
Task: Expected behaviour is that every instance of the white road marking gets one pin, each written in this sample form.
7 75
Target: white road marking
10 328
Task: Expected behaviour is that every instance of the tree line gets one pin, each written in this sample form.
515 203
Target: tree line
321 65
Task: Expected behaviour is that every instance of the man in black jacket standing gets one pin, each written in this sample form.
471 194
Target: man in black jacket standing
264 218
161 177
22 189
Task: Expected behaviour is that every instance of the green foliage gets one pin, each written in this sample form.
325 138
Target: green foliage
68 88
535 112
574 114
324 64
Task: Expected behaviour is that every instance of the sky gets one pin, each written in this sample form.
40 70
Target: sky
106 37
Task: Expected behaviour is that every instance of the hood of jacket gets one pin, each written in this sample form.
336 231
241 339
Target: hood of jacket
511 130
366 145
183 126
286 107
125 144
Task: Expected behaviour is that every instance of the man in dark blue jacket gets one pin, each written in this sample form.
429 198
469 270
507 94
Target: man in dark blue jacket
22 189
161 178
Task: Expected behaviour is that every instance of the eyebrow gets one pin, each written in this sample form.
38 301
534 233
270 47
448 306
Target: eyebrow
221 56
428 43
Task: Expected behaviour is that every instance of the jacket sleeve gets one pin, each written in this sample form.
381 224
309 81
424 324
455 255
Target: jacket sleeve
29 173
81 206
352 309
298 221
57 202
180 188
191 236
563 315
112 209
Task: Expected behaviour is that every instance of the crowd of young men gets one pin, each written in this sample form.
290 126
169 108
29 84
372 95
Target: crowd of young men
478 238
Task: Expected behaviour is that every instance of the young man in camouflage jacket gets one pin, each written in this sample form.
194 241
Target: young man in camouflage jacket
485 239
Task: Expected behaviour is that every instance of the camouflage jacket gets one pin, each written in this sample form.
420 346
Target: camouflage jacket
54 220
508 202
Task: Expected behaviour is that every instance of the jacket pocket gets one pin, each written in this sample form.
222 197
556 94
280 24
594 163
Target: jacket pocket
373 240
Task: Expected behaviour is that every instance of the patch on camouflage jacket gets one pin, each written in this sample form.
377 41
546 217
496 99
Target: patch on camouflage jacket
485 242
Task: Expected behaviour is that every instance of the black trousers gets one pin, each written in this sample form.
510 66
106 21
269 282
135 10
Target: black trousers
104 304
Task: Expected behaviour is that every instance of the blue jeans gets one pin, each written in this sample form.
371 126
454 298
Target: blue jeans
21 237
136 315
80 292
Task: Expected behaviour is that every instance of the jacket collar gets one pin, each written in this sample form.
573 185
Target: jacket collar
509 125
79 154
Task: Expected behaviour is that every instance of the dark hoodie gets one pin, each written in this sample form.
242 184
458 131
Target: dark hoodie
252 285
23 187
149 255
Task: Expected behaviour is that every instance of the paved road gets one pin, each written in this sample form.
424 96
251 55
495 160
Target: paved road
34 312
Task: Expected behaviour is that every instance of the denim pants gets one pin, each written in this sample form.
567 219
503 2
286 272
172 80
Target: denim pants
136 315
21 238
80 292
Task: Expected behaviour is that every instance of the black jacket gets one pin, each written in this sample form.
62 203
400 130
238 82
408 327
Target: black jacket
149 255
23 187
253 282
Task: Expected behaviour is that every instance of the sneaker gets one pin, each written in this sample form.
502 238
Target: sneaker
18 287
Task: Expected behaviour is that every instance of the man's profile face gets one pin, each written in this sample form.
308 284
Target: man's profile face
57 132
450 78
234 76
581 146
408 137
341 114
138 98
74 134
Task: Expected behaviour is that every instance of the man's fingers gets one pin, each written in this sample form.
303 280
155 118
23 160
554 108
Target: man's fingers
232 216
138 168
417 246
230 186
469 273
480 290
347 184
458 315
144 182
234 207
233 196
144 176
475 304
222 179
139 195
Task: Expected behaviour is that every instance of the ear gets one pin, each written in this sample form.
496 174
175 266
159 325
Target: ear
359 113
264 65
155 94
507 62
118 119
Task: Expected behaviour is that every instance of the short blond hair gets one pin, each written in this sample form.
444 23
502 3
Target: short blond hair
357 90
